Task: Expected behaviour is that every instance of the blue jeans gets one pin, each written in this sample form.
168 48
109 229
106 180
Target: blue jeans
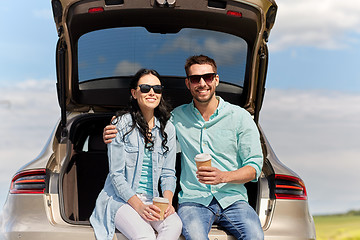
239 219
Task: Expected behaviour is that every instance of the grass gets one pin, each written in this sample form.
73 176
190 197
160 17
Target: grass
337 227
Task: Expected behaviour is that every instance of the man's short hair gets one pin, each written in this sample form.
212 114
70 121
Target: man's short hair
199 59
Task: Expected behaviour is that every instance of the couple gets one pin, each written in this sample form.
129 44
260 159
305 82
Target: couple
142 152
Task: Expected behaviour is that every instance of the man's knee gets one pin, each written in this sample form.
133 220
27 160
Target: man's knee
192 231
196 223
242 221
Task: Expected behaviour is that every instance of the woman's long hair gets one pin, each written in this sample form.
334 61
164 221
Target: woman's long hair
162 112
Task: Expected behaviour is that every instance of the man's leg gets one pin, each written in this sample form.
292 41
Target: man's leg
197 220
241 221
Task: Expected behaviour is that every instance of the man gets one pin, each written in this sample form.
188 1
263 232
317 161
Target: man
227 132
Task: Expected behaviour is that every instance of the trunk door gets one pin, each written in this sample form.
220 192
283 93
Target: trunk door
103 43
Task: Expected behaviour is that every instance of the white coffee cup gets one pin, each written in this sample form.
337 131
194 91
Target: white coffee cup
162 203
203 159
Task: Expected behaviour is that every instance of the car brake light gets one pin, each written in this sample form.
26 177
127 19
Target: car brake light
30 182
289 187
233 13
95 10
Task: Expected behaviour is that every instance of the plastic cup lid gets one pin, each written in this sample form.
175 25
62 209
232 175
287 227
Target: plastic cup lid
160 199
202 157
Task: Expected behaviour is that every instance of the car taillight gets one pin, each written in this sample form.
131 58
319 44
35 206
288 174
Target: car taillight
30 182
234 14
96 10
289 187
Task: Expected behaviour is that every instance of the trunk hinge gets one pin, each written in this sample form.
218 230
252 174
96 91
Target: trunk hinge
62 87
263 61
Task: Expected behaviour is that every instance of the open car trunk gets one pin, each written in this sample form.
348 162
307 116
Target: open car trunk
103 43
85 172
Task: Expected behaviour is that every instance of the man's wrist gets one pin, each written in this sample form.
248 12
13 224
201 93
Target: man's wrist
224 177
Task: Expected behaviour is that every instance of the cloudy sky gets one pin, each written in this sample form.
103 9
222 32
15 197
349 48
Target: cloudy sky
311 111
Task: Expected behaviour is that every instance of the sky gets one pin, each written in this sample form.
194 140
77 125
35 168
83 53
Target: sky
310 114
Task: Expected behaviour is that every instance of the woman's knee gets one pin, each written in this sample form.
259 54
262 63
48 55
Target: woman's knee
175 222
132 225
170 228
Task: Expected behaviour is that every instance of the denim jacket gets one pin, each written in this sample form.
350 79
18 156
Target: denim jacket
125 165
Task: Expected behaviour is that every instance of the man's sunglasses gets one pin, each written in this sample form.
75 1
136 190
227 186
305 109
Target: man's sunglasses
145 88
208 78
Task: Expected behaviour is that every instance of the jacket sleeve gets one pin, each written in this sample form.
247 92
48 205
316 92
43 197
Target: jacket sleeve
116 155
167 176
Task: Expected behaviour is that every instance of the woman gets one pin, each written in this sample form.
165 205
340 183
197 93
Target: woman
142 154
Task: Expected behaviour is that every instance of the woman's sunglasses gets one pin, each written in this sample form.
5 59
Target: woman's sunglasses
145 88
208 78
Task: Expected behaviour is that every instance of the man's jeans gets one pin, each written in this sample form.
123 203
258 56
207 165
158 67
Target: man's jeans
239 219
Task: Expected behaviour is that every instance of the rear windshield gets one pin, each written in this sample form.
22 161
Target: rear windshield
120 52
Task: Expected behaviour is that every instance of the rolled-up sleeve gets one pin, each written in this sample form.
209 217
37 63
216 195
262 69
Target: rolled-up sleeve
249 145
167 176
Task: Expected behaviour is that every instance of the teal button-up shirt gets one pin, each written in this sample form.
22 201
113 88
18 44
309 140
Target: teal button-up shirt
230 137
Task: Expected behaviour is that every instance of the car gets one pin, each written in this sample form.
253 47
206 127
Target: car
101 44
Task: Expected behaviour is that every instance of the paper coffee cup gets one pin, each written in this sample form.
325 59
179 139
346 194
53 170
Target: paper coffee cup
203 159
161 203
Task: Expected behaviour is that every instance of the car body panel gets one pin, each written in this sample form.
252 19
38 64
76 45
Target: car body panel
294 214
281 219
54 214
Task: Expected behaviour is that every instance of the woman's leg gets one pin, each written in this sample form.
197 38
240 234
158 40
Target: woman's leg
132 225
169 228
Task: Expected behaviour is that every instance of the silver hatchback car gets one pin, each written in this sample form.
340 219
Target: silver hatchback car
102 43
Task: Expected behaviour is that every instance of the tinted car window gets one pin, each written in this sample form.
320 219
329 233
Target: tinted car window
122 51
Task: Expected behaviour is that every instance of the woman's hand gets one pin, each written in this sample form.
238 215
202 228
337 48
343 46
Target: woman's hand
170 210
149 212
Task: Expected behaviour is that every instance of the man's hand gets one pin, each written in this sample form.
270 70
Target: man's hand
210 175
213 176
109 133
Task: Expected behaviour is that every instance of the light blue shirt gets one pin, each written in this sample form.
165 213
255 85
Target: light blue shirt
145 183
125 166
231 138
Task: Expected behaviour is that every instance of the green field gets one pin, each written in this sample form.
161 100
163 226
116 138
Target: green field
337 227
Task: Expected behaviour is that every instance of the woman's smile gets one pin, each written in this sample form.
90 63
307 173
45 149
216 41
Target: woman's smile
150 100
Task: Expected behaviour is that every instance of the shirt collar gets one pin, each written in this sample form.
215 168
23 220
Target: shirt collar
219 107
157 122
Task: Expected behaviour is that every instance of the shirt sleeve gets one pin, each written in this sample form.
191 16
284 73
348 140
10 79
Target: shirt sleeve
116 150
167 176
249 145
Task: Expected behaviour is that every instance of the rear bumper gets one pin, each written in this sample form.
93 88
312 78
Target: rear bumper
38 217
